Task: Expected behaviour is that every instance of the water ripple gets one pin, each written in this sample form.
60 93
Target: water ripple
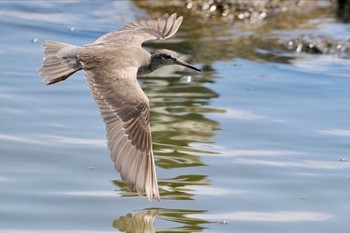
277 216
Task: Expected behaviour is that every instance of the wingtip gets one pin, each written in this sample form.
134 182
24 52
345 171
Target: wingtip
172 17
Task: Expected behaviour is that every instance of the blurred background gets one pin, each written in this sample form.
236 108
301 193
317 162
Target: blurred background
257 142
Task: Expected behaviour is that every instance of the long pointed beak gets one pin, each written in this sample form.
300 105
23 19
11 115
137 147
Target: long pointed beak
183 63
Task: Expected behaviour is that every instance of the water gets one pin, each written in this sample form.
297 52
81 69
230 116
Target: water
257 142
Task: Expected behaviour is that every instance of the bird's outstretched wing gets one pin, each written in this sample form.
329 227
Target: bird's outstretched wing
123 105
125 110
142 30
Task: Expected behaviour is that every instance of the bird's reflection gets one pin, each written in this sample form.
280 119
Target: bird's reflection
143 221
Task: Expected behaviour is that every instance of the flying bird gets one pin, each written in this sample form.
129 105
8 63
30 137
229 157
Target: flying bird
112 64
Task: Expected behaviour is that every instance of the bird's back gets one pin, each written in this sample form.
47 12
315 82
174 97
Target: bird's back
99 57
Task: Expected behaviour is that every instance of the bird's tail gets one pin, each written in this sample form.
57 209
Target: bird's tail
59 62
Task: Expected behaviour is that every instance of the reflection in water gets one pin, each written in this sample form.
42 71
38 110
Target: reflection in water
142 221
178 119
193 220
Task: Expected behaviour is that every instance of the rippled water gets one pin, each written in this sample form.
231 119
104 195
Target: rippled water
257 142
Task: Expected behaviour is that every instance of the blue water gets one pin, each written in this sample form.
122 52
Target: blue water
257 142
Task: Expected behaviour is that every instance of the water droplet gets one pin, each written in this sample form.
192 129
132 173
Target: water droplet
72 29
91 168
187 78
35 40
342 160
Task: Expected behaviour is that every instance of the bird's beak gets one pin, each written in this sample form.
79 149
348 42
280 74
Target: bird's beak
183 63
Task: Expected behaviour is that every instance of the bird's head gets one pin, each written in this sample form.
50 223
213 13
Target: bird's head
165 57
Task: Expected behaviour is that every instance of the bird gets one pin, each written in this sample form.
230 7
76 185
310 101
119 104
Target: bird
112 64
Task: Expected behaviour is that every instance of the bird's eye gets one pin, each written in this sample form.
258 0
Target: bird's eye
167 56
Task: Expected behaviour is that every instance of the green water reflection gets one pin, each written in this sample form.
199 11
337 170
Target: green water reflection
143 221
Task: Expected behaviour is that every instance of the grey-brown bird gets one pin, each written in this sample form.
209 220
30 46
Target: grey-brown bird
112 64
